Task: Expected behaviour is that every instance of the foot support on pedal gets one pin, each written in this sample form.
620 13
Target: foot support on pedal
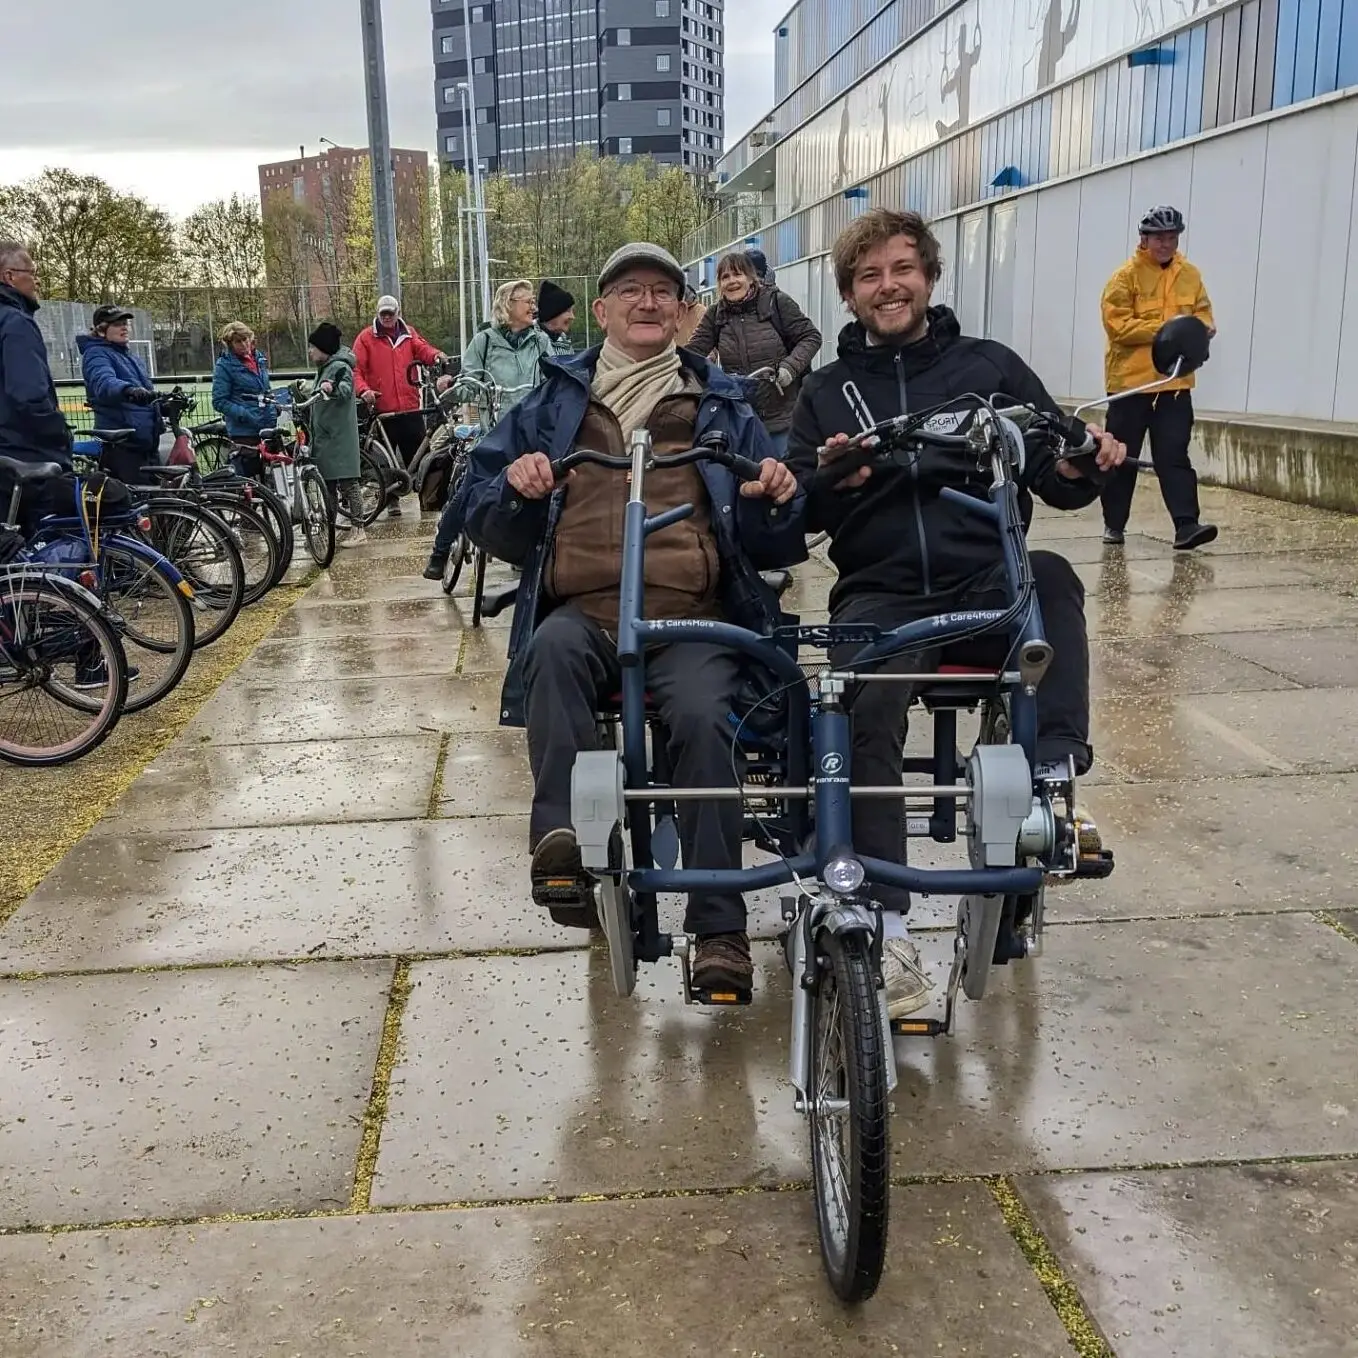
726 997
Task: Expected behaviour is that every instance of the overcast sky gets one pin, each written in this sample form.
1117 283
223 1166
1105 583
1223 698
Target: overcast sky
180 101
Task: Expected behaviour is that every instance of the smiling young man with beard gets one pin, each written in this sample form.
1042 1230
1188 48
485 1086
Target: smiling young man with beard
902 551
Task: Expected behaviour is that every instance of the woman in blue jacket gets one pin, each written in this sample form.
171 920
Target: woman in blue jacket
240 378
119 391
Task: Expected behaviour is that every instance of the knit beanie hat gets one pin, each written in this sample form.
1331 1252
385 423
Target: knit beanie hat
552 302
327 338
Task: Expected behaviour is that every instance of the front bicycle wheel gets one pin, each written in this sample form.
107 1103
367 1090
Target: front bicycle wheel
254 539
850 1117
372 486
264 500
457 558
63 674
318 522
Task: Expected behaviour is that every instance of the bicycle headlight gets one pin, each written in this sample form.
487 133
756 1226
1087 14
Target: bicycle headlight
844 874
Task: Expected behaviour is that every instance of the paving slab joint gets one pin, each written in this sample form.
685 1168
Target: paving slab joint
436 787
1085 1336
1337 925
376 1113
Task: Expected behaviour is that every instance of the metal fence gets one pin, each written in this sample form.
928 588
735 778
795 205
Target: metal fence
175 329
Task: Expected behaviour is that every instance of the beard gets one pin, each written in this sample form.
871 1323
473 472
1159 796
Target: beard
903 326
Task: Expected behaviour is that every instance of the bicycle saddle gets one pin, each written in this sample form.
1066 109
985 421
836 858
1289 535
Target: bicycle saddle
31 471
113 435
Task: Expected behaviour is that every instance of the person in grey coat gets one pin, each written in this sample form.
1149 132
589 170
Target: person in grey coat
755 326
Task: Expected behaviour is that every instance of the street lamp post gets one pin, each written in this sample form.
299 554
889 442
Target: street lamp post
379 149
479 199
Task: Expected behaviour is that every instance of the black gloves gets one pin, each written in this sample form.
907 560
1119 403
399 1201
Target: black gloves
139 396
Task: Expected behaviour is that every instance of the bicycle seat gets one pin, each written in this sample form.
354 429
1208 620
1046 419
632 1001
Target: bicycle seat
113 435
266 434
30 471
778 581
957 688
463 432
168 474
208 427
497 604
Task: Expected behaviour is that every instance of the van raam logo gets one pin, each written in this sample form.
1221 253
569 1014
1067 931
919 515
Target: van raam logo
832 764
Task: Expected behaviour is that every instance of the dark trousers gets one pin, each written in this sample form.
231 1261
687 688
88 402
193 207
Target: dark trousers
125 462
1168 417
570 664
406 432
879 710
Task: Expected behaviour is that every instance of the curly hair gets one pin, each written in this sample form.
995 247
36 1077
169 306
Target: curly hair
876 227
235 330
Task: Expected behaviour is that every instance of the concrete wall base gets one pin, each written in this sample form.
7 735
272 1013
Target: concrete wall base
1315 464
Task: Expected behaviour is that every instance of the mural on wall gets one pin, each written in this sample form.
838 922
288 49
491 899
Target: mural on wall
1057 34
1154 16
957 79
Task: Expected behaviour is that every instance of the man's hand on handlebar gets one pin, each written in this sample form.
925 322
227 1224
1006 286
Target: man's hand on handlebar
369 397
776 482
532 476
836 448
1110 454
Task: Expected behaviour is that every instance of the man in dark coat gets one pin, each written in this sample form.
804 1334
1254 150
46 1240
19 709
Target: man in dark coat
32 428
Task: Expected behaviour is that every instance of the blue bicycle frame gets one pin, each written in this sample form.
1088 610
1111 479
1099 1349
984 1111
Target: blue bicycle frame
831 741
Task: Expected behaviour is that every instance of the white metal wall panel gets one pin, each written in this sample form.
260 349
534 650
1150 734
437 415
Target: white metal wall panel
1107 235
973 260
1346 388
1003 240
945 294
1303 248
1025 264
1053 309
1223 240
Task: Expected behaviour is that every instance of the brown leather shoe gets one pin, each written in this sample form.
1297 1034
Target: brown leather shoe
559 880
722 962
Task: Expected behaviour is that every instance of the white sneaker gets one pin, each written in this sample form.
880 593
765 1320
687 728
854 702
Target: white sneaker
355 537
907 983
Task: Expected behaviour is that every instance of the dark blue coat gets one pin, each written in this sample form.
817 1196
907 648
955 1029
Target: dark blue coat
749 537
32 427
236 392
109 370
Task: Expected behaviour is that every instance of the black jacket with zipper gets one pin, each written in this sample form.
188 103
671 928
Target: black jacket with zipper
896 534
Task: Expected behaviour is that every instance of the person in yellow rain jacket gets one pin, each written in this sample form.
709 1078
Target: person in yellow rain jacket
1152 287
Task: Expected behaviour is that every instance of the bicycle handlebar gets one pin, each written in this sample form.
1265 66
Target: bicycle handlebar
744 467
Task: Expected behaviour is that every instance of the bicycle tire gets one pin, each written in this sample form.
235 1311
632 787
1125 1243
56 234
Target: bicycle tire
255 539
87 628
159 677
213 452
318 516
372 486
457 558
218 600
848 1071
478 587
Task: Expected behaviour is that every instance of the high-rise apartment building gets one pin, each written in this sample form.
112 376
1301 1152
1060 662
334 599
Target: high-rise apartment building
552 77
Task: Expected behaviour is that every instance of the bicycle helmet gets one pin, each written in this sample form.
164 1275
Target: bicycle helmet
1162 218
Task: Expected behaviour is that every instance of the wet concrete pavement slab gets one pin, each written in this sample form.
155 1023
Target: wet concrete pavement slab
294 661
675 1277
1255 1261
284 784
183 1094
245 712
1109 1050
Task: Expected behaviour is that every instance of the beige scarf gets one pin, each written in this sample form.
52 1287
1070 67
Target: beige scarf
632 390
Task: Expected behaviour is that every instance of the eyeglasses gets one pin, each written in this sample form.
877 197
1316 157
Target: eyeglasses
31 271
634 292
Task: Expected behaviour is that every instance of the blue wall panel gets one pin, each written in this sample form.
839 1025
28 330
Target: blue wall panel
1347 67
1197 72
1308 36
1285 55
1327 46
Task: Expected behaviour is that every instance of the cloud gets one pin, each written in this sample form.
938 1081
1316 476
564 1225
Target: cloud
140 86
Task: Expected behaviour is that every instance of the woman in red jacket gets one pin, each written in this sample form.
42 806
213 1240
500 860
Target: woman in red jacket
384 352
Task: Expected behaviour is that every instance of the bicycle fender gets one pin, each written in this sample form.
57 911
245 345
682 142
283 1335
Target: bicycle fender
144 552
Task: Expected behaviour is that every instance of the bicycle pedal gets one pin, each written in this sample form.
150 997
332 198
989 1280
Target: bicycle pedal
916 1027
1091 867
721 998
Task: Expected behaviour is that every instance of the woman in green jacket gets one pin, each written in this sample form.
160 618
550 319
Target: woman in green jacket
505 355
334 426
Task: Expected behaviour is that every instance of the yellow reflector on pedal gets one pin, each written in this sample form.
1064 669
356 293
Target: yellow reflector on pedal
186 589
912 1027
723 997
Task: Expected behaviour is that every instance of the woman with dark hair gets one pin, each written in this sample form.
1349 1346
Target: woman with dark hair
755 326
